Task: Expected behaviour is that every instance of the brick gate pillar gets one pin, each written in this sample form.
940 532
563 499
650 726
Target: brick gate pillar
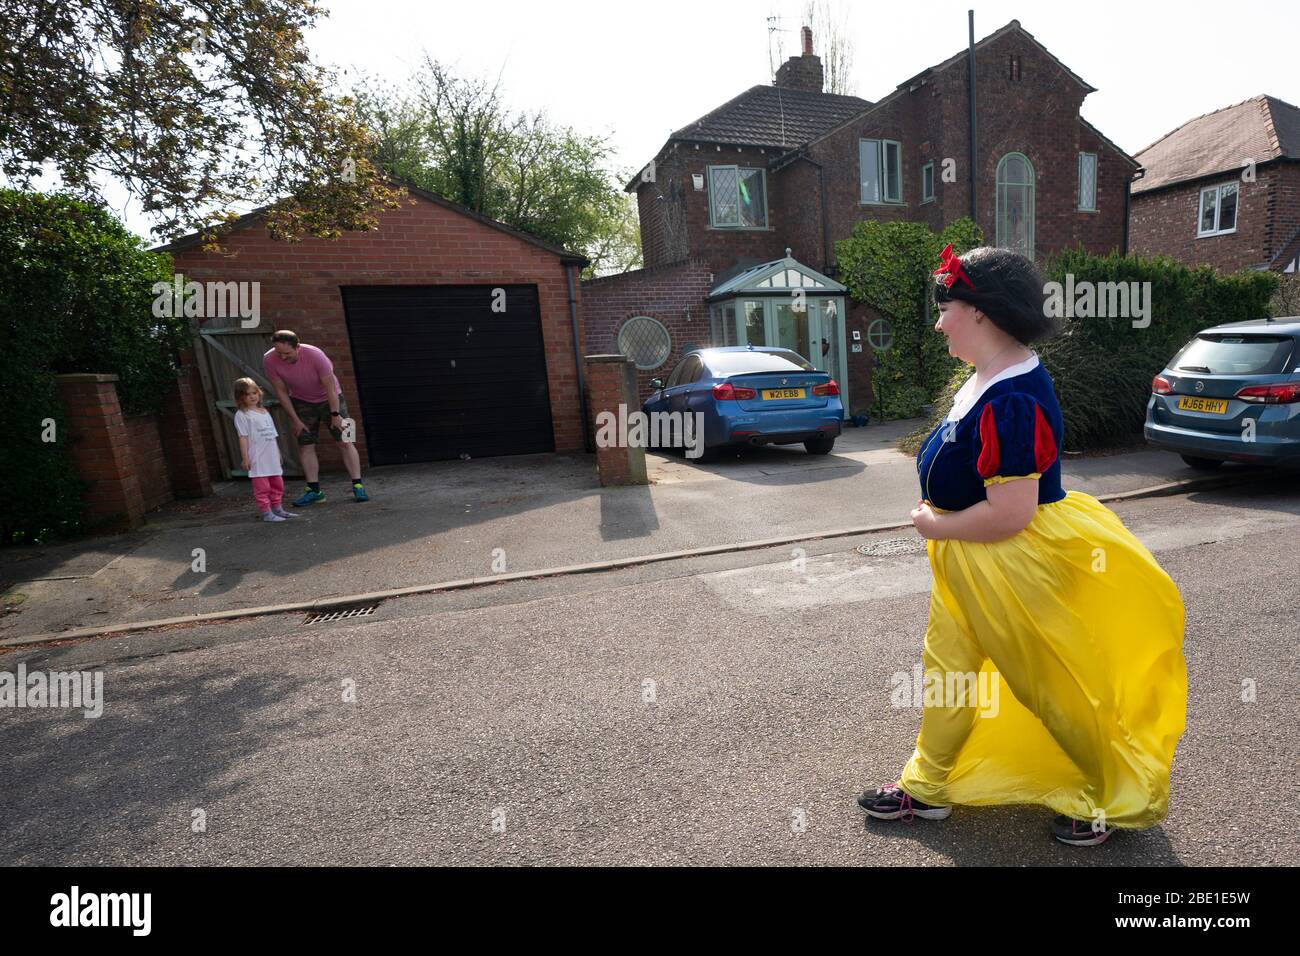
611 382
101 449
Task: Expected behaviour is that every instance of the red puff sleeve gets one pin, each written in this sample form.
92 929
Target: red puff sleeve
1015 439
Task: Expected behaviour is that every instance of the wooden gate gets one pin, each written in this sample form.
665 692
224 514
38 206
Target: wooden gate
224 354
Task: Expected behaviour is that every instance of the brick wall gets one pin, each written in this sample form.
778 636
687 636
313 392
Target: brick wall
1164 221
100 447
148 461
422 243
675 216
675 295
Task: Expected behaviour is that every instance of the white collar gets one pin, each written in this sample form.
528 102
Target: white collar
967 396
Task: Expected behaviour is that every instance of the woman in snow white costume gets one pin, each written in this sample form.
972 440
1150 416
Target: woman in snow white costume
1066 612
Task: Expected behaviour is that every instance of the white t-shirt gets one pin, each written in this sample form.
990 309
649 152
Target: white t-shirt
263 451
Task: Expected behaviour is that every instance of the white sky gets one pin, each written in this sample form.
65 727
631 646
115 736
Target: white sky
637 71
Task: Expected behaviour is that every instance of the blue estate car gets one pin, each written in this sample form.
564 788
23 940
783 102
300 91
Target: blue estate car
752 395
1203 404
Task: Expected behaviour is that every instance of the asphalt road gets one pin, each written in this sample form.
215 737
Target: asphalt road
719 710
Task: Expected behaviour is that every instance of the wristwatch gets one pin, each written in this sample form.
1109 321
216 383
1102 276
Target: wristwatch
336 414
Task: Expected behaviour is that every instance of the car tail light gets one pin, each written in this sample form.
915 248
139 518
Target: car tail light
726 392
1161 385
1271 394
830 388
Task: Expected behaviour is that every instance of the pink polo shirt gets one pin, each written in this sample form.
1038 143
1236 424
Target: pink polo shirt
303 376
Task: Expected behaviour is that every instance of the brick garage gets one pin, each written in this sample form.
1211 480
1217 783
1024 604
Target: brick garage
427 242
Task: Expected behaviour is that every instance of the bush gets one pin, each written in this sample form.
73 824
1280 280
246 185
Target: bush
75 296
1102 368
888 266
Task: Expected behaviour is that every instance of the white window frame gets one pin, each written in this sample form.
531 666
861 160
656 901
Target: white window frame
927 196
738 224
881 147
1218 190
1091 205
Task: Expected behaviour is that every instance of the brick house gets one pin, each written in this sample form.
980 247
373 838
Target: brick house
782 172
1224 189
451 334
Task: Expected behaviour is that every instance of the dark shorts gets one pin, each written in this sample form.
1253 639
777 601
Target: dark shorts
312 414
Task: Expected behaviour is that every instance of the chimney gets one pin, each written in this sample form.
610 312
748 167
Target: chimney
802 72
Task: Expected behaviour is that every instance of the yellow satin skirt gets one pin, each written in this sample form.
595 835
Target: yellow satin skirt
1072 636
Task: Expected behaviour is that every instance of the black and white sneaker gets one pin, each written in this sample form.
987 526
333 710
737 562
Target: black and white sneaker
1079 832
895 803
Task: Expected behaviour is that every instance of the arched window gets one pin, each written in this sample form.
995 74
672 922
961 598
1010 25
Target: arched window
1015 204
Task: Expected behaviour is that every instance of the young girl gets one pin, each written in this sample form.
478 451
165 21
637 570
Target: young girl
1043 590
261 453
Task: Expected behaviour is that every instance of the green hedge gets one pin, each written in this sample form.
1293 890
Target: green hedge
1102 367
888 266
76 295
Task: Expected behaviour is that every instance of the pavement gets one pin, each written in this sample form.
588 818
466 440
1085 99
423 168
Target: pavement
724 709
461 519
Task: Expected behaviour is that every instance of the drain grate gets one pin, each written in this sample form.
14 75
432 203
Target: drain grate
892 546
340 614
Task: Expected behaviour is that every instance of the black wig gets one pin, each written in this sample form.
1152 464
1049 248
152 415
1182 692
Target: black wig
1009 289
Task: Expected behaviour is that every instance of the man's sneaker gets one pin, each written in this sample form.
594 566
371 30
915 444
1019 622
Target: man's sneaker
359 491
1079 832
895 803
309 497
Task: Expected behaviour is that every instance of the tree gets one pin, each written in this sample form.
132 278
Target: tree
833 36
76 295
198 107
455 137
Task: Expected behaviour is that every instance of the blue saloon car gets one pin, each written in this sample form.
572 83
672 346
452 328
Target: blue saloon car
1231 394
752 395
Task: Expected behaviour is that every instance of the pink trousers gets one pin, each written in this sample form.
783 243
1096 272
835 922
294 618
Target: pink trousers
269 492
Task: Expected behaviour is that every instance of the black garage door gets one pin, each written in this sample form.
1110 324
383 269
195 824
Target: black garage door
441 374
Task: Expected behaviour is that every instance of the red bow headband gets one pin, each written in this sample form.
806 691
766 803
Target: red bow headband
951 270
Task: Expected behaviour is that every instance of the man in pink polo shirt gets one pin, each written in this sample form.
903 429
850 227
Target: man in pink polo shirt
304 381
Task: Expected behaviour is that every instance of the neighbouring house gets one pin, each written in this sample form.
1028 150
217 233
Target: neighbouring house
452 334
744 205
1223 189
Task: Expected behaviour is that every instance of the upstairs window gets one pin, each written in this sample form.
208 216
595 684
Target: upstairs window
880 165
1218 210
927 182
737 198
1015 204
1088 182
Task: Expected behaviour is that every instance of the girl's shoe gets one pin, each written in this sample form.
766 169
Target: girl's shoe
284 514
1079 832
895 803
271 516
